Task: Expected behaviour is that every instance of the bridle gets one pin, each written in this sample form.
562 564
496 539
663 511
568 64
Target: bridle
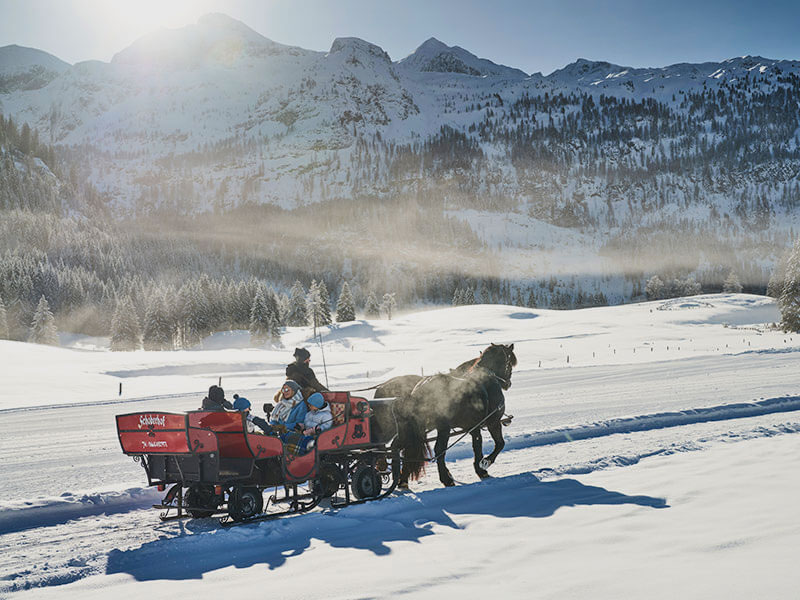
505 382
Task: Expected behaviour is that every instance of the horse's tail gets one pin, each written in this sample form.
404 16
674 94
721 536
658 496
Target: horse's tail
412 440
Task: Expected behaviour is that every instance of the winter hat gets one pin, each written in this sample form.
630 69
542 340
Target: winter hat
301 354
216 394
292 384
241 403
316 400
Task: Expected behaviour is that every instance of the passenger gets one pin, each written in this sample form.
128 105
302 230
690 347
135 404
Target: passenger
319 417
290 412
302 373
215 401
242 404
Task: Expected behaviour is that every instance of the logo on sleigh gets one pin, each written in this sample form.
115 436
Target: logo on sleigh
150 421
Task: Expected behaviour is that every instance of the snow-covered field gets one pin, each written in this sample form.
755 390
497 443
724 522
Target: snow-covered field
654 453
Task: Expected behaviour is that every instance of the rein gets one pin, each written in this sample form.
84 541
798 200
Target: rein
468 431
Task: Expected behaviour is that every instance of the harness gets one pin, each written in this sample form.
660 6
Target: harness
500 407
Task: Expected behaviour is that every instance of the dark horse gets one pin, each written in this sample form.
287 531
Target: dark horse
469 397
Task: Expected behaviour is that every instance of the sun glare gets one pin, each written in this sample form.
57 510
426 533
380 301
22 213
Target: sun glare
133 19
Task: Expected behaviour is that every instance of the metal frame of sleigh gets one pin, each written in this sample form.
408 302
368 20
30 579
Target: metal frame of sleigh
212 466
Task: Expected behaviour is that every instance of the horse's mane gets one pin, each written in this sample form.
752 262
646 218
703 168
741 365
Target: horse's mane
468 365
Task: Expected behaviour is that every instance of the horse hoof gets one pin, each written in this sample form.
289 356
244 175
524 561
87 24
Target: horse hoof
449 483
484 476
402 486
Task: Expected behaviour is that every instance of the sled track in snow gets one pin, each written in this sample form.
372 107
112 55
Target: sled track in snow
722 412
69 507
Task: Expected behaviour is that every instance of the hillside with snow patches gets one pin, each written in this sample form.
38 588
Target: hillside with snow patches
652 453
213 116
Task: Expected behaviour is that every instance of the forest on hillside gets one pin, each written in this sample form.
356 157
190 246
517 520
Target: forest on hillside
59 239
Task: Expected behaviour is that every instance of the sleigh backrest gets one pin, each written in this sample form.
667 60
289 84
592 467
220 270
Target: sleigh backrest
153 433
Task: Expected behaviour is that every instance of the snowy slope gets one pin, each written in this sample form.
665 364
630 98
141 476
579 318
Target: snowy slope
625 473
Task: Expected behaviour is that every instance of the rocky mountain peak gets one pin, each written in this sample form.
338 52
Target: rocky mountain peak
358 46
434 56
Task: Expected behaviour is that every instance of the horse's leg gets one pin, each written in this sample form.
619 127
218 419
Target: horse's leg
402 480
477 449
495 428
442 437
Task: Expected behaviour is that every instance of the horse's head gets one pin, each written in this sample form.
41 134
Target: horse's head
500 360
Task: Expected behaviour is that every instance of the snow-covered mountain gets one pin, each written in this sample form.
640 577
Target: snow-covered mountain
27 68
214 116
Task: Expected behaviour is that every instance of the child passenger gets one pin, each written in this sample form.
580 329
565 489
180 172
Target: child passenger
242 404
319 417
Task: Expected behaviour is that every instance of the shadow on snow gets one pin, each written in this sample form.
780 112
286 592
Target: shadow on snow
195 550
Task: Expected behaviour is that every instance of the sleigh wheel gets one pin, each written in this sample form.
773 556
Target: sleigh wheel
201 501
245 503
366 482
329 481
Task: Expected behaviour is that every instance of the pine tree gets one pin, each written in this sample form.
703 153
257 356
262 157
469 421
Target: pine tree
298 314
655 288
195 316
732 284
789 301
531 299
125 330
325 304
261 320
691 287
345 307
43 328
468 296
3 321
314 306
158 334
389 305
458 297
776 280
372 310
283 309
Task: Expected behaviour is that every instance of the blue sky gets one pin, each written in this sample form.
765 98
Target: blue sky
533 36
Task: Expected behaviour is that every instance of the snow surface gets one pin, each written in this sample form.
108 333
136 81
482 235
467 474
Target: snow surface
660 461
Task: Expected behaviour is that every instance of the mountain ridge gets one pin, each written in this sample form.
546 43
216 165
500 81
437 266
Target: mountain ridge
595 151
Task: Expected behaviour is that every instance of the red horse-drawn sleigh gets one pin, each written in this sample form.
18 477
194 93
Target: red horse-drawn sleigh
212 465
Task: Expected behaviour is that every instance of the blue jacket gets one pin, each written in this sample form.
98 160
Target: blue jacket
297 415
